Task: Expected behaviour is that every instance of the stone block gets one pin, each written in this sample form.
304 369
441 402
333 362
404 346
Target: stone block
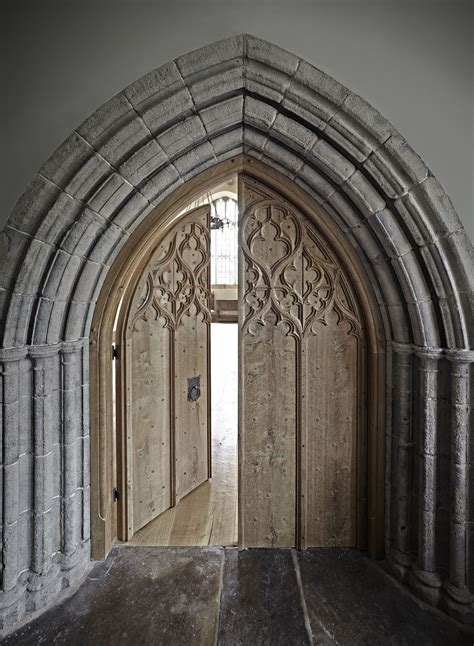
42 316
31 207
33 267
258 114
254 140
43 485
230 141
213 71
390 234
330 162
115 130
87 280
159 186
346 210
367 241
25 541
132 211
368 117
13 247
75 323
436 270
161 98
290 132
314 96
106 120
396 167
11 490
427 500
11 428
110 195
195 161
424 323
320 83
457 314
200 60
457 255
83 233
93 174
265 82
56 322
67 160
411 277
271 56
182 137
320 188
399 323
223 116
229 154
112 237
146 161
98 284
363 194
268 69
61 275
18 319
427 212
64 211
290 162
71 458
346 134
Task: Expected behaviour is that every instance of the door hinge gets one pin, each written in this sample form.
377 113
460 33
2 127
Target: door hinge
114 352
115 494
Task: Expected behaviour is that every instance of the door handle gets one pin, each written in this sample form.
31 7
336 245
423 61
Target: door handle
194 388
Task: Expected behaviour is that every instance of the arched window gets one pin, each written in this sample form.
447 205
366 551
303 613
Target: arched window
224 216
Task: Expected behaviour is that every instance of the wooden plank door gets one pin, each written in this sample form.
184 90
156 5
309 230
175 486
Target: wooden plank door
301 461
167 375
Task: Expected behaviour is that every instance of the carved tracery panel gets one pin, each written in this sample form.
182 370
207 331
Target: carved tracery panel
301 344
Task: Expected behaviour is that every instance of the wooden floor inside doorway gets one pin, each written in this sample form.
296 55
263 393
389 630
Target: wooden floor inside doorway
208 515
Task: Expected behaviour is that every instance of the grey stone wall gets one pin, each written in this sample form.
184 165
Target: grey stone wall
45 474
238 95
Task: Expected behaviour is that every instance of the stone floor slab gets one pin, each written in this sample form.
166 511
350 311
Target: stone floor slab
352 600
140 595
261 601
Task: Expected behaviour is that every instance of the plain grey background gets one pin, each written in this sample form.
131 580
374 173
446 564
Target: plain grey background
411 59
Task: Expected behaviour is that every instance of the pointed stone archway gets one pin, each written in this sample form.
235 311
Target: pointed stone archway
237 96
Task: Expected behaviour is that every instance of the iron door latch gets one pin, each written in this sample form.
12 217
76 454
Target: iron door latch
194 388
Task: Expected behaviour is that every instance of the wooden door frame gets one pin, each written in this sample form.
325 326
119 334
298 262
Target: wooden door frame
125 270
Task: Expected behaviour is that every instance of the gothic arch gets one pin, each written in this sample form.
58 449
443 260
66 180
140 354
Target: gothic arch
237 96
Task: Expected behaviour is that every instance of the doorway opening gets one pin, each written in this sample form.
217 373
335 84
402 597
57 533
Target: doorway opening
308 355
208 513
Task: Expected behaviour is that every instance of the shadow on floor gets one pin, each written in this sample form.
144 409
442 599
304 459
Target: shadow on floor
187 596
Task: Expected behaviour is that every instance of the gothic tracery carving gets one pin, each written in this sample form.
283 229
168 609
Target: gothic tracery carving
176 282
290 276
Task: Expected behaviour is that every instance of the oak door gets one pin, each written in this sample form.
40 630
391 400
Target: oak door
301 453
167 377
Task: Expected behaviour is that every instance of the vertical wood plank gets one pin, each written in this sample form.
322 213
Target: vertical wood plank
268 458
191 417
330 412
149 398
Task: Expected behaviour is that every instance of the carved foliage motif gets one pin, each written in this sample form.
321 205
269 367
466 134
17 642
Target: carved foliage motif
291 279
176 281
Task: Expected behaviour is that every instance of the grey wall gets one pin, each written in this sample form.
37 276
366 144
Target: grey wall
411 60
